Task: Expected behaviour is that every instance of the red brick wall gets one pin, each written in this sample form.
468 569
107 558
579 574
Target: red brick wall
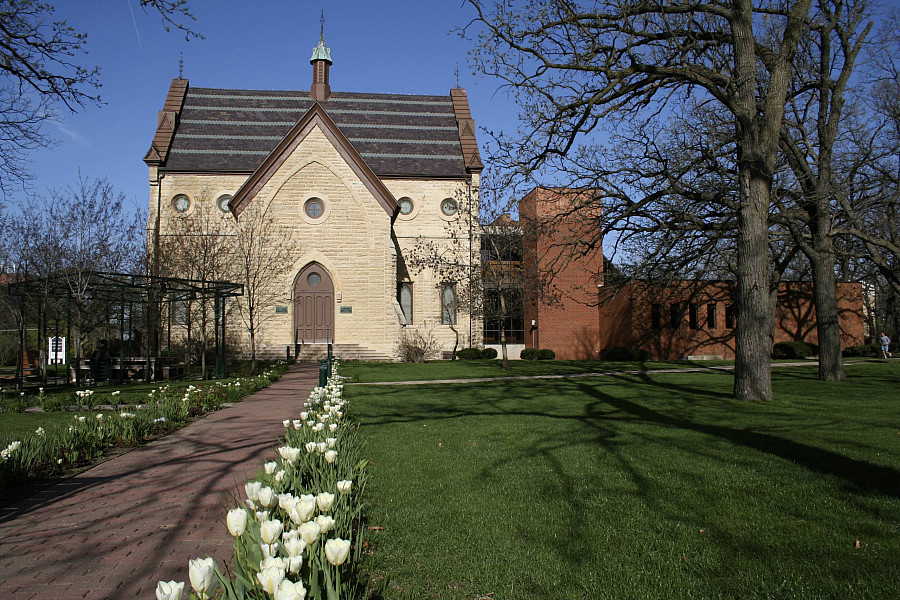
562 273
795 317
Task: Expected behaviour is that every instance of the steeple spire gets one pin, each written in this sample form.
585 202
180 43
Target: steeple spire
321 61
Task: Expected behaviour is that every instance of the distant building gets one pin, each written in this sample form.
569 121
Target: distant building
580 315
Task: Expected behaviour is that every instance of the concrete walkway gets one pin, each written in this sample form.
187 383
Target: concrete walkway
117 529
578 375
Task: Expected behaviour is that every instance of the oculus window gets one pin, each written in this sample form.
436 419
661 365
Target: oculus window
314 208
181 203
406 206
222 202
449 207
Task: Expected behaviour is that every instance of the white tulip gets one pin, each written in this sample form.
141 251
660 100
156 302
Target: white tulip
252 488
279 476
288 590
271 561
202 572
294 546
330 456
337 551
270 531
304 416
330 442
236 521
270 467
344 486
169 590
266 496
324 501
310 446
305 508
285 500
262 515
297 423
269 550
270 578
309 531
333 427
325 523
286 423
294 563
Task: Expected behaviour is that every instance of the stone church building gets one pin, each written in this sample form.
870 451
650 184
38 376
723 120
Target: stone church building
351 181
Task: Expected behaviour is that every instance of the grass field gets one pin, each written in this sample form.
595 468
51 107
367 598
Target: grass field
644 486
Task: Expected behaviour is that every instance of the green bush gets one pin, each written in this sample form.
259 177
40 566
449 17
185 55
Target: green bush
795 349
618 353
469 354
55 403
641 355
529 354
864 350
546 354
489 353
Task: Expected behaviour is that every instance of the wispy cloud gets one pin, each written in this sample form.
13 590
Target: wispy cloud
134 21
71 134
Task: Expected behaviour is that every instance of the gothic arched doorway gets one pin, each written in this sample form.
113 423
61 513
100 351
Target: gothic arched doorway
313 306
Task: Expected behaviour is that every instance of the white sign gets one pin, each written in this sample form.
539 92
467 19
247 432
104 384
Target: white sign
56 351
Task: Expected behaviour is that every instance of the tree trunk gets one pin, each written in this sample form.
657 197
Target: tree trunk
203 339
831 365
252 340
752 367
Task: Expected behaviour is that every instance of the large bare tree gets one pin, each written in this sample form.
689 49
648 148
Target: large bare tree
41 75
573 66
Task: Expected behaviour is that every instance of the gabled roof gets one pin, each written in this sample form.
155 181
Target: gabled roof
315 116
222 130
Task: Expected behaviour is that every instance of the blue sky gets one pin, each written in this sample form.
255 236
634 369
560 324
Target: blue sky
395 46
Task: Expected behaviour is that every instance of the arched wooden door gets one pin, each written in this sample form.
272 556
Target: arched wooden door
313 306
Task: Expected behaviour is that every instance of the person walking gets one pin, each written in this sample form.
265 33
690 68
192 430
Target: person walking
885 345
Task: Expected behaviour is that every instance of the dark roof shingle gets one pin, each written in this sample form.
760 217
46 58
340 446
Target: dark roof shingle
397 135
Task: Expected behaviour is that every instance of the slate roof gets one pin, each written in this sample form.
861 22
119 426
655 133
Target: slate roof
397 135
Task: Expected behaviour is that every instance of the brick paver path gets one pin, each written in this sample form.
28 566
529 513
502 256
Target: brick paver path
116 530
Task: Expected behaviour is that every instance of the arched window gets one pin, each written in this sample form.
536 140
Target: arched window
406 302
448 305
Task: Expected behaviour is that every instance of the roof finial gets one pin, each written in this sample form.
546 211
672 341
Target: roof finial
457 74
322 30
321 52
181 65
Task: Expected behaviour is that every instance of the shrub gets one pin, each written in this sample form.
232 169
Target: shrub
529 354
489 353
864 350
469 354
55 403
641 355
795 349
618 353
546 354
416 347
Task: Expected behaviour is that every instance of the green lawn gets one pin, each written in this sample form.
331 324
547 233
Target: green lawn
644 486
17 426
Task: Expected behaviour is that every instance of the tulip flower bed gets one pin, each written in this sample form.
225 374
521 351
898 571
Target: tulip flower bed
298 533
81 438
649 486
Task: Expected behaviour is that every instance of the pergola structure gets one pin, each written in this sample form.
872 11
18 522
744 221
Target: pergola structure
127 290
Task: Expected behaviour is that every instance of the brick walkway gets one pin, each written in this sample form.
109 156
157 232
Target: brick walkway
116 530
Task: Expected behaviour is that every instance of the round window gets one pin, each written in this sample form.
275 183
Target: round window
406 206
313 279
181 203
222 203
314 208
448 207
